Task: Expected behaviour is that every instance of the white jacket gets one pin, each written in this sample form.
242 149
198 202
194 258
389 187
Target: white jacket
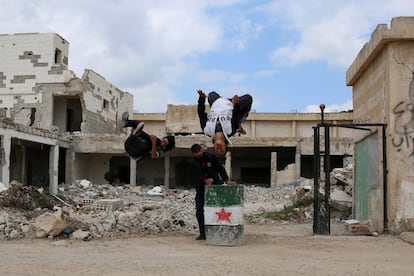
222 110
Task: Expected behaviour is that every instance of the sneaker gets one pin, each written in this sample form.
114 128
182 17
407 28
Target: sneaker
124 118
138 128
201 238
136 158
241 130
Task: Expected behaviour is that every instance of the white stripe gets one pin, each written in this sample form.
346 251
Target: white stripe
232 215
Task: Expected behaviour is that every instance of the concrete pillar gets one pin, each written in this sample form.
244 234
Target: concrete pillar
23 175
132 172
293 130
70 166
53 169
227 164
5 159
273 169
253 129
334 130
297 162
167 170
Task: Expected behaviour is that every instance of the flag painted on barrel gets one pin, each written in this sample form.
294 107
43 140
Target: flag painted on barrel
223 214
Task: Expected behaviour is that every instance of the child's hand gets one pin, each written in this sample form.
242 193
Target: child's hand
231 183
235 100
201 93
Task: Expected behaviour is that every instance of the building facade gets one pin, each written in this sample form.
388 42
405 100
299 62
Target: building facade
44 107
58 128
277 149
383 92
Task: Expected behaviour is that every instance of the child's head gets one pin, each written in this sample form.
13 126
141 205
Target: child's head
167 143
220 144
197 150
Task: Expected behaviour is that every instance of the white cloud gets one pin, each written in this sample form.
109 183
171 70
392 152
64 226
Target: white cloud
121 37
215 76
330 108
154 47
266 73
152 98
334 36
333 31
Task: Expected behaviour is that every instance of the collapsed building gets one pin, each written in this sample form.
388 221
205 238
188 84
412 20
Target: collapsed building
44 106
57 128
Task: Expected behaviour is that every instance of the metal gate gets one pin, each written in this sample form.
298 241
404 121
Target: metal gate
322 169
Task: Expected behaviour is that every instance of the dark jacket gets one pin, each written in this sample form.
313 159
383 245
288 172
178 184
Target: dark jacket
208 166
140 146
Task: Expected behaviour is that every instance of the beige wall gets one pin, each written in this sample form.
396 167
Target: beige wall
263 129
383 92
265 133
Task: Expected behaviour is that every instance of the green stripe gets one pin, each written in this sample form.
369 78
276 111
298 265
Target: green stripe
224 195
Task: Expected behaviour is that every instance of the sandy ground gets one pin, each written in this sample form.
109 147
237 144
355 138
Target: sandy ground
267 250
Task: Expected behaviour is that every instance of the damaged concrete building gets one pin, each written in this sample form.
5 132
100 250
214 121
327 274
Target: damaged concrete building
49 116
277 149
382 77
56 127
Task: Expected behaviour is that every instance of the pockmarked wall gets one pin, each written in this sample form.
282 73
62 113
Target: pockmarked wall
383 92
38 89
81 114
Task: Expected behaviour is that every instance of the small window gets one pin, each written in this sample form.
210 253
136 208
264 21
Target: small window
105 104
32 116
58 56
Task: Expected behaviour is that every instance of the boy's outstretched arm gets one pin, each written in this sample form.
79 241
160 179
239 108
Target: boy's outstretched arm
201 108
154 153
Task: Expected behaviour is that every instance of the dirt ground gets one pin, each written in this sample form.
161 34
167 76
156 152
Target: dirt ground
267 250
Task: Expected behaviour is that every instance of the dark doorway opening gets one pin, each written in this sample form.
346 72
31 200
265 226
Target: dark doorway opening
256 176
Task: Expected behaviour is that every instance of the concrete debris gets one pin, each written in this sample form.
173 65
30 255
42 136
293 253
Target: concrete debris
157 190
80 235
84 183
340 200
355 227
85 210
50 224
26 197
407 237
3 187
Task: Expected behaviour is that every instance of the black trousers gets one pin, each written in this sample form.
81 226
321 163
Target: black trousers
138 146
199 202
245 103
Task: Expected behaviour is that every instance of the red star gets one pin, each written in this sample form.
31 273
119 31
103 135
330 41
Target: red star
223 215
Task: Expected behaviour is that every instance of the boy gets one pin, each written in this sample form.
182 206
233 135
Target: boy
224 119
140 145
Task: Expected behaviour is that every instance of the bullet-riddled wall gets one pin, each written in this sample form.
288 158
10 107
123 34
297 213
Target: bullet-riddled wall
383 92
39 91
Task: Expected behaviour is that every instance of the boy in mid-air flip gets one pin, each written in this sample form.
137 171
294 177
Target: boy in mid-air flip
224 119
141 145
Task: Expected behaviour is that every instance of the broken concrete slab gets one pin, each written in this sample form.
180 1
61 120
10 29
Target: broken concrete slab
407 237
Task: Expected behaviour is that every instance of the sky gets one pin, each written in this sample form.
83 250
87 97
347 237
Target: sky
291 56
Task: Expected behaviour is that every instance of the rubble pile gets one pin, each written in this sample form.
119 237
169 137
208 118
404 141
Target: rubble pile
25 197
84 210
